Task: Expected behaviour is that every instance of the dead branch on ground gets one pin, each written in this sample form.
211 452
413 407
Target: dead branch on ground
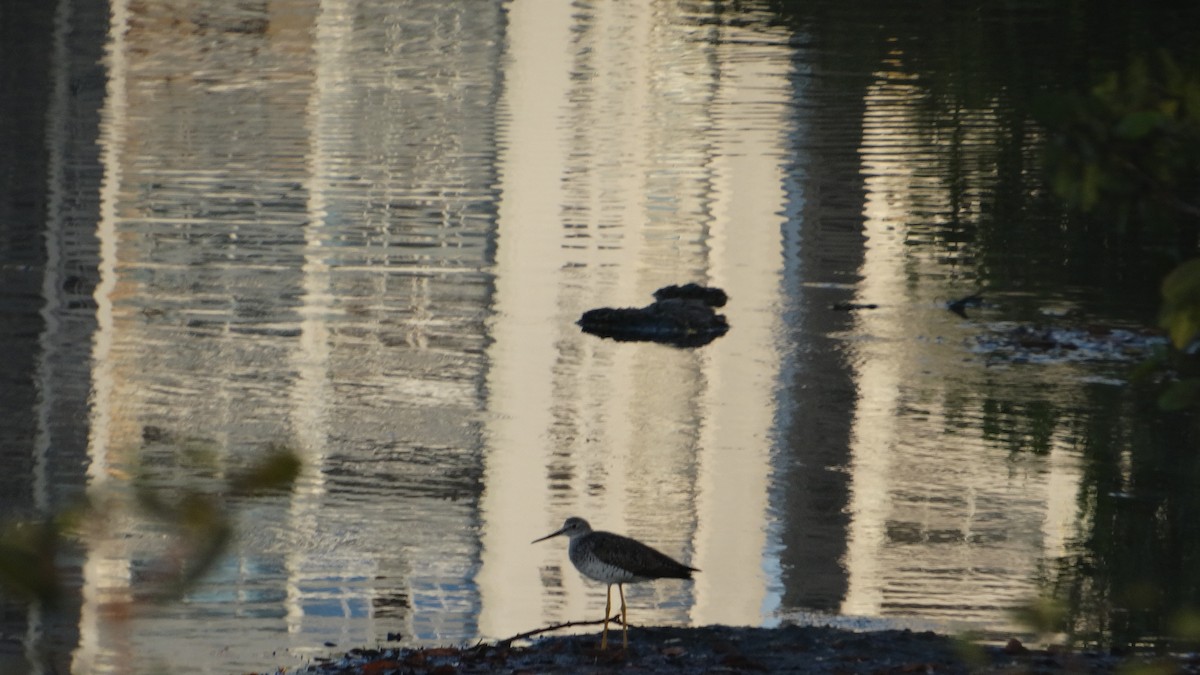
558 626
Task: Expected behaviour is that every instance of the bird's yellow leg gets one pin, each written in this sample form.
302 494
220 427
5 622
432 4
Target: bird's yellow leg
624 619
607 610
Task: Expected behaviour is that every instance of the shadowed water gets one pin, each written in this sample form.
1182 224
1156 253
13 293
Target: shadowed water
365 231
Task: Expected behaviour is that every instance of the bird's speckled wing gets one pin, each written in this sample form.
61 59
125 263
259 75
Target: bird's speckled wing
638 560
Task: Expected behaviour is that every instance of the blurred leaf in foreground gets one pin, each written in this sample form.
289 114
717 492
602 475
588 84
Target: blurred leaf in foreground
27 567
277 471
205 532
1042 615
1180 395
199 526
1181 304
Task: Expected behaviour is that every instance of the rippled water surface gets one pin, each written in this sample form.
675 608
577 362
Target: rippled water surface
364 230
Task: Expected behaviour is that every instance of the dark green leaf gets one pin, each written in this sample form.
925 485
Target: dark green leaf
1138 124
27 561
1181 303
1180 395
277 471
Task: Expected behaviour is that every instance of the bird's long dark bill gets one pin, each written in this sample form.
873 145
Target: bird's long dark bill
552 534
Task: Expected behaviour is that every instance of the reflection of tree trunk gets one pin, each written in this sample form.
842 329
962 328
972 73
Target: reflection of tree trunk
49 124
831 245
25 48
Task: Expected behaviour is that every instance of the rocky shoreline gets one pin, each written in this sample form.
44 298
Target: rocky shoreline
798 650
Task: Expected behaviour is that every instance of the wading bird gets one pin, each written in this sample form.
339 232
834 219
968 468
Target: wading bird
612 559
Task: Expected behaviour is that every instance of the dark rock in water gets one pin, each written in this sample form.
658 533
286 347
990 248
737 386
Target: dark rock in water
852 306
713 297
960 305
681 316
1020 343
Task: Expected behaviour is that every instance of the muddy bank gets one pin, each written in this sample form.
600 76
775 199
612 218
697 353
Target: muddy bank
805 650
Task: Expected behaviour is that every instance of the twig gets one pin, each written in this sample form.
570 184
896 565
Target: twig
528 634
